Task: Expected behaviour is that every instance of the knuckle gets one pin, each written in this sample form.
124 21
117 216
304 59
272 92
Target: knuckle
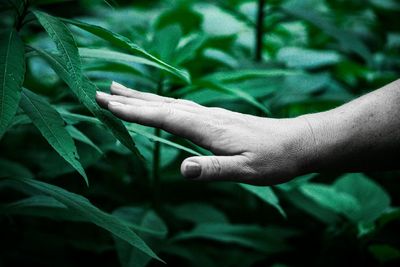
215 166
214 123
212 134
177 101
166 113
133 94
250 166
217 127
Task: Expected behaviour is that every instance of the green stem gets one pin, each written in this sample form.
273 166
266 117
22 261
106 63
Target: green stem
259 30
21 16
156 158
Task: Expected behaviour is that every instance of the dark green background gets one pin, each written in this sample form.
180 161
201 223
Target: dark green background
316 55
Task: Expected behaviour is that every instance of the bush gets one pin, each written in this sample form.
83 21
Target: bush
80 187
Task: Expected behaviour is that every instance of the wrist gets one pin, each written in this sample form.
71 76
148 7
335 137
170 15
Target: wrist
298 147
284 150
307 152
329 138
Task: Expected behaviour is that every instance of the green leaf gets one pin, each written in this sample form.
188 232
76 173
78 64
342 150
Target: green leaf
169 155
12 71
217 21
328 197
65 43
135 216
372 197
132 128
78 135
138 130
51 125
199 213
124 43
296 57
348 40
266 194
247 74
295 183
82 207
85 91
188 50
74 118
237 92
392 5
390 215
40 206
58 166
166 40
181 14
303 202
109 55
34 201
354 195
194 255
20 119
365 228
68 67
13 169
48 207
116 67
266 240
384 253
148 219
221 57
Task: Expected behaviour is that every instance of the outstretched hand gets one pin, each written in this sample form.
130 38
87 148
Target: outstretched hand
248 149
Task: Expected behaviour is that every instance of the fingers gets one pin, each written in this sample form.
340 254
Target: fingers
199 124
217 168
103 99
175 121
119 89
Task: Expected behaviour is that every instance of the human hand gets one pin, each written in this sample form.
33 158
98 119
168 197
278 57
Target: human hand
248 149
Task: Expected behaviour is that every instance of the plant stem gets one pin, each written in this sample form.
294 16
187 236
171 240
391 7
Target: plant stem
21 16
156 159
259 30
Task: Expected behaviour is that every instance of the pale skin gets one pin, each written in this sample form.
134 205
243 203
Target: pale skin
361 135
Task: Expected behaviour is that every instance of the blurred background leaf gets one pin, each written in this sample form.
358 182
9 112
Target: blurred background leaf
314 55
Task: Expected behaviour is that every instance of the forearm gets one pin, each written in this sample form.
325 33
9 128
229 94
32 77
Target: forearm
363 134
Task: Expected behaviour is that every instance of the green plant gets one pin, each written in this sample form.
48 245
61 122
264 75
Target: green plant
306 56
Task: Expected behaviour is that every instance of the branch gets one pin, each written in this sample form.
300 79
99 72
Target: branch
259 31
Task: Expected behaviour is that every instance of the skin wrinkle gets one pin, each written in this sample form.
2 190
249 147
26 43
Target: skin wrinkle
362 134
216 167
314 146
168 114
312 134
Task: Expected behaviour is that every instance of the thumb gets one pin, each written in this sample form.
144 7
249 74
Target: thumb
216 168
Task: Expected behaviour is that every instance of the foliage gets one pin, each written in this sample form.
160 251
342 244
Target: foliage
54 56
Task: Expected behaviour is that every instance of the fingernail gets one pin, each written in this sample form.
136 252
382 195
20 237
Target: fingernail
192 170
116 85
115 104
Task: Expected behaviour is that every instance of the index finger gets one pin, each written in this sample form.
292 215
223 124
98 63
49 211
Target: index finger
119 89
164 116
